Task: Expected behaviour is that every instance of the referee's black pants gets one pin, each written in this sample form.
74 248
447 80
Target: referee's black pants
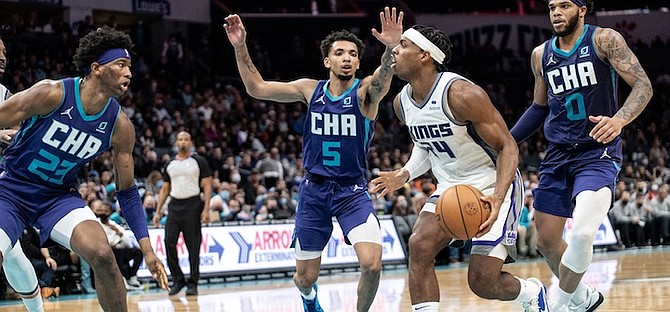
184 217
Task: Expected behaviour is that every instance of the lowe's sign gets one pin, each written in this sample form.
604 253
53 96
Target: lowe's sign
159 7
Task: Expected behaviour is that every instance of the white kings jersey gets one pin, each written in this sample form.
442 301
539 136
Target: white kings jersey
4 93
457 154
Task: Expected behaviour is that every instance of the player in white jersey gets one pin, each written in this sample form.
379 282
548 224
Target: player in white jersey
456 132
18 269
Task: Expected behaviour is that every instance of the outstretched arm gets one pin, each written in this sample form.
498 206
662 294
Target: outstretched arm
417 164
123 142
256 86
380 81
612 46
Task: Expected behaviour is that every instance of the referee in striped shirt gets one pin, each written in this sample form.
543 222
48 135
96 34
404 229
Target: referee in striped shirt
189 173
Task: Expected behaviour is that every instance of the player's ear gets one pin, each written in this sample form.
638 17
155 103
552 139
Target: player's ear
582 11
425 57
95 66
326 62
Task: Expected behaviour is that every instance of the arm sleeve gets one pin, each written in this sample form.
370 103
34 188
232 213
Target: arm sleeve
133 211
529 122
418 162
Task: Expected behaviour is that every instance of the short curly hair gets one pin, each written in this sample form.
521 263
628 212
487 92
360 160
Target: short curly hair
97 42
342 35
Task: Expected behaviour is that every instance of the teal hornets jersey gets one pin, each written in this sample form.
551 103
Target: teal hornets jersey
579 84
336 135
49 150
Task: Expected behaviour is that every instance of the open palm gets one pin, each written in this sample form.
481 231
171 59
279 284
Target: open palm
391 27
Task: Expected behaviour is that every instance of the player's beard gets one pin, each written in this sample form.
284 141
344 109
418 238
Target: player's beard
571 25
344 77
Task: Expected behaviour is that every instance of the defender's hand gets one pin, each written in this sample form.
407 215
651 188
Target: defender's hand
235 30
389 181
157 270
391 27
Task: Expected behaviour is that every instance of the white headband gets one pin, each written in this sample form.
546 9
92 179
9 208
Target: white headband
425 44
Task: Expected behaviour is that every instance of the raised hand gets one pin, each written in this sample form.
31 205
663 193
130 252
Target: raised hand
391 27
235 30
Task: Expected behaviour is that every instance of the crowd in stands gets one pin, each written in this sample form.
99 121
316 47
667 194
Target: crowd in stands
254 147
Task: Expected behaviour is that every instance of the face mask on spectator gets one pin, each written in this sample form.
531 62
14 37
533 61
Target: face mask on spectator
225 194
103 217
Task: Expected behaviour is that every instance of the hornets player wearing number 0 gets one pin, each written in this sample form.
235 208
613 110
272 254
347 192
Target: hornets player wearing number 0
64 125
575 96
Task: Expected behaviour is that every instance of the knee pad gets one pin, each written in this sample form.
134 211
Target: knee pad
305 254
368 232
19 271
590 211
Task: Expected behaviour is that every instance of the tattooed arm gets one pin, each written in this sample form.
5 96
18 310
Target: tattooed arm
379 83
612 47
295 91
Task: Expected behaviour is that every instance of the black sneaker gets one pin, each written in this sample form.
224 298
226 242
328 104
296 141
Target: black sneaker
176 288
192 291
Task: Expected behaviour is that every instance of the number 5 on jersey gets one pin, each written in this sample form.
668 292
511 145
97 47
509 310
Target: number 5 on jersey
331 153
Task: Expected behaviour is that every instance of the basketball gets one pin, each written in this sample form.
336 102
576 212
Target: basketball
460 211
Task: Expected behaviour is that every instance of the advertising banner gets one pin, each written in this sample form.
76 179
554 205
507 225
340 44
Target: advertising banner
227 250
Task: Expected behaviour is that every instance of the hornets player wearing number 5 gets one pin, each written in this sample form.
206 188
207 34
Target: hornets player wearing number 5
575 97
336 138
64 125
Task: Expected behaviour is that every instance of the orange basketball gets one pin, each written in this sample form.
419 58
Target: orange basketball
460 211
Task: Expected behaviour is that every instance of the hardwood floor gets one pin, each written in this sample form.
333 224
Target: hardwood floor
634 280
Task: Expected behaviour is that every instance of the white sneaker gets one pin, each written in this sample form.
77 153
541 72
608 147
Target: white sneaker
133 281
131 287
593 300
538 303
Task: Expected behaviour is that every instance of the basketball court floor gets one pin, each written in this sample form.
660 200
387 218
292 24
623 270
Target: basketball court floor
632 280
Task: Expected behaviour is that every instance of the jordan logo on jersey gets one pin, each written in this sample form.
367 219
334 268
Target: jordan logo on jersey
605 154
68 112
320 100
572 76
551 60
